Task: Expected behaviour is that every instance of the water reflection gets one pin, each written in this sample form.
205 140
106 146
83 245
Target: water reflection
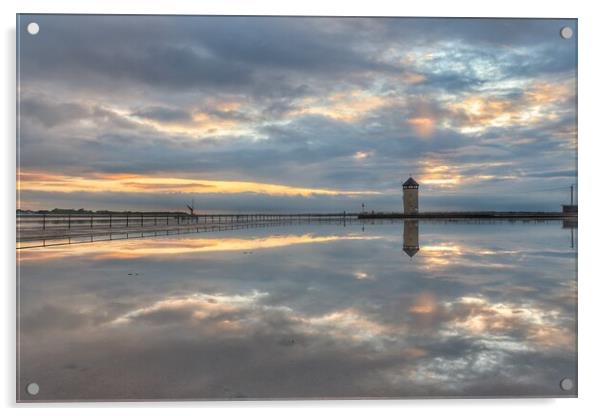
303 311
571 224
137 249
410 237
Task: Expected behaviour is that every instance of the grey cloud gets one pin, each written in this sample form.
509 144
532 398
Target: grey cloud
285 42
163 114
240 52
483 32
555 174
50 115
52 318
191 52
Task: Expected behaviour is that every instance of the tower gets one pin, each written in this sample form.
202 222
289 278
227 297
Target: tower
410 196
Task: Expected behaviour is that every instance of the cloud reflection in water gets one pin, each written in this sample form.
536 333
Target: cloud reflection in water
293 311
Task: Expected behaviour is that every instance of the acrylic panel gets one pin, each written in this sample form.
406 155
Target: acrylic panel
247 208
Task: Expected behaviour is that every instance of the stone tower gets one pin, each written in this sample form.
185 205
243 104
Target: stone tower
410 196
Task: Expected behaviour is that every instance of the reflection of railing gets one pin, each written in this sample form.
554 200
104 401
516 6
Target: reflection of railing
131 234
44 227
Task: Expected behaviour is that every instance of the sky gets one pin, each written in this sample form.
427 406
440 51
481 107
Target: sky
290 114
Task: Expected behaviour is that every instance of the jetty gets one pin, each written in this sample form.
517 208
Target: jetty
40 228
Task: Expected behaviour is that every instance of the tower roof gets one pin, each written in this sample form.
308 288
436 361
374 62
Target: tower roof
411 250
410 182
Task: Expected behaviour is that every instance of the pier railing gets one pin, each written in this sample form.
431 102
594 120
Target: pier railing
51 221
87 235
29 222
52 226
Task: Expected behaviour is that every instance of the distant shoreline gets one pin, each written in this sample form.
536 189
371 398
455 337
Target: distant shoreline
472 214
360 215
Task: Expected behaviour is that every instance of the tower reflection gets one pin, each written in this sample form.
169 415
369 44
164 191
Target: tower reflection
410 237
572 225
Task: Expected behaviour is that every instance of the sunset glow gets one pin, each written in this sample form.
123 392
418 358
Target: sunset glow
47 182
149 248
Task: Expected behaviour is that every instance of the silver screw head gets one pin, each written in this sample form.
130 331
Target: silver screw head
33 28
566 384
566 32
33 389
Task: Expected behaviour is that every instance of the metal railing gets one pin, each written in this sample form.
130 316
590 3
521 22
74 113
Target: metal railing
85 221
40 229
51 221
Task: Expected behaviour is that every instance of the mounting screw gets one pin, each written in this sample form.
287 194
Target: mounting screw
33 389
566 384
33 28
566 32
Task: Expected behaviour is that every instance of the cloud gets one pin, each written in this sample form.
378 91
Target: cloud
163 114
158 185
46 113
298 102
52 115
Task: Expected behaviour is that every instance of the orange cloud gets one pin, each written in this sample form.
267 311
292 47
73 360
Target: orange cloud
423 122
440 175
478 112
51 182
437 173
423 126
544 93
345 106
201 122
413 78
362 155
425 304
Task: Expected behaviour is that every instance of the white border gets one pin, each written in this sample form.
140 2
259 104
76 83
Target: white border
590 137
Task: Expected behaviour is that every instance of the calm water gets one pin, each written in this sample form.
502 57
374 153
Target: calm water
303 311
